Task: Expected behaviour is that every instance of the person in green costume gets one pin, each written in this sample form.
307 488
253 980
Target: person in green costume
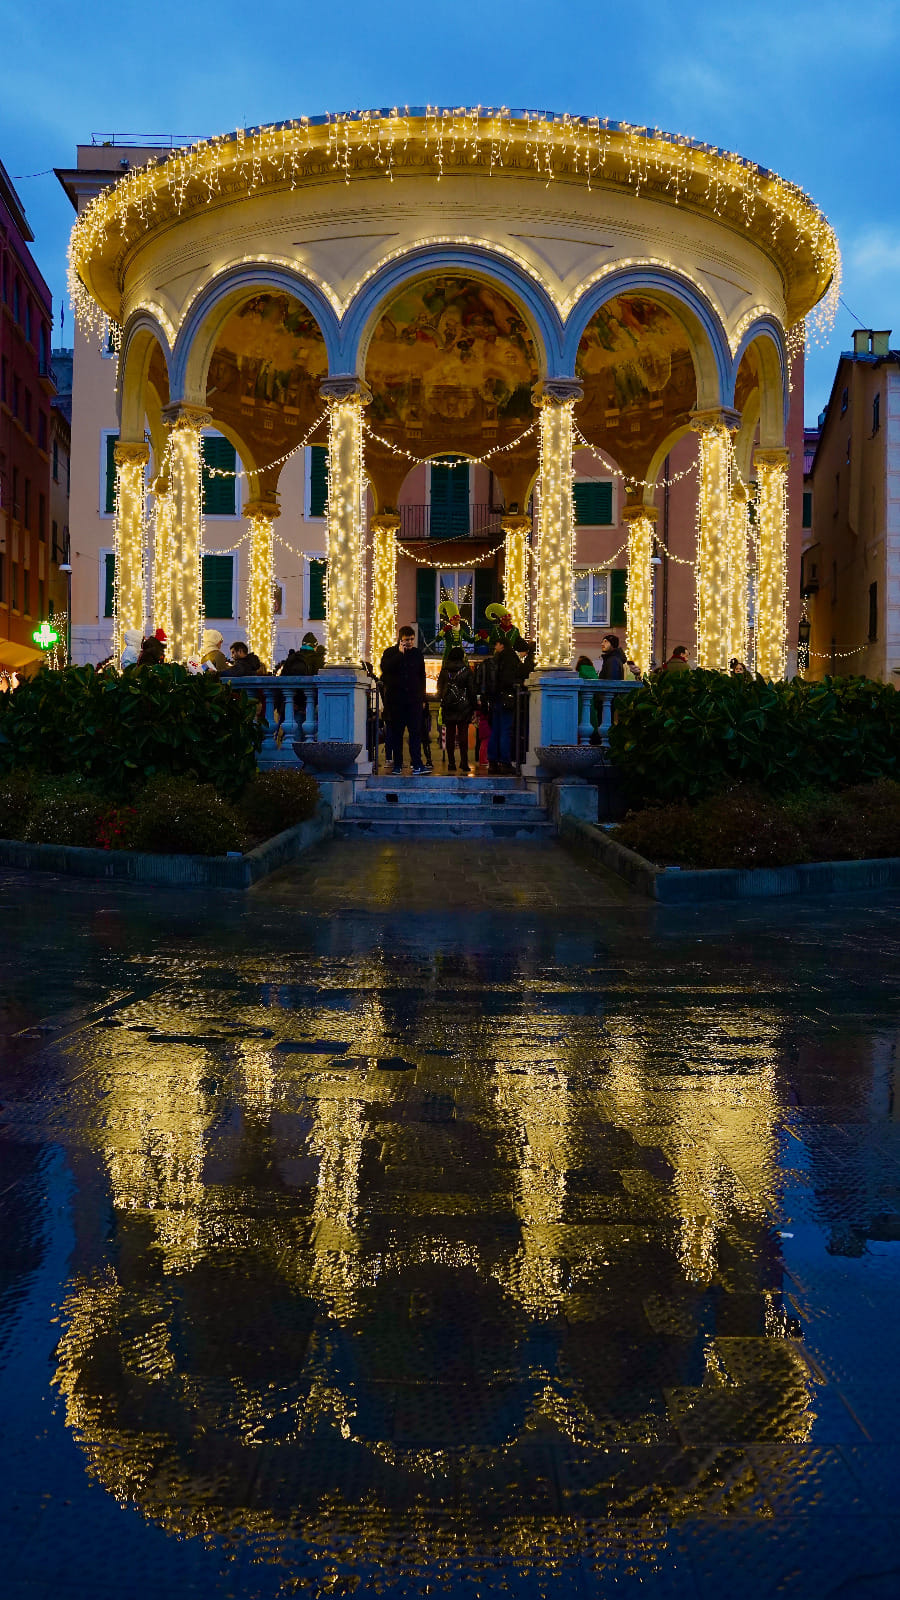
454 629
503 629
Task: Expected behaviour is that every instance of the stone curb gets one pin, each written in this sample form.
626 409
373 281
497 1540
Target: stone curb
202 872
681 887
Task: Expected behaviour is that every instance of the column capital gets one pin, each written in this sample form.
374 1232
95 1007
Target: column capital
345 386
740 492
638 513
514 522
557 390
385 522
182 415
262 507
771 458
137 454
716 417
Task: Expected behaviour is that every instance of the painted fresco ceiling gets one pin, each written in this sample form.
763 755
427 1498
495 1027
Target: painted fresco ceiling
638 377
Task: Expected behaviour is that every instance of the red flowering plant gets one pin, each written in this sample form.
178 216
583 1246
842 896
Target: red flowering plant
116 828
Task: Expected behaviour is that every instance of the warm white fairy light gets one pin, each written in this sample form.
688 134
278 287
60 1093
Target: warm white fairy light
238 473
639 601
187 531
129 595
771 556
162 561
343 577
632 483
261 589
712 545
450 461
556 538
515 571
384 584
441 565
738 572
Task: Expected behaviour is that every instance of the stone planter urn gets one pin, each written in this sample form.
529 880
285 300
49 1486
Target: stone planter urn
571 760
332 756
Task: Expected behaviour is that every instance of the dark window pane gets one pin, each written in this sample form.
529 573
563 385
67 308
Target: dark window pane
318 480
316 591
218 587
109 501
218 493
593 503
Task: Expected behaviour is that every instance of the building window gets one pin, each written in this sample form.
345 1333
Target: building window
849 442
837 492
876 413
5 281
218 493
26 516
26 592
42 430
591 600
15 586
873 612
15 494
845 400
40 610
54 541
108 474
316 481
45 365
449 496
108 580
4 379
27 327
315 611
42 518
56 461
17 299
27 410
593 498
278 598
16 395
68 474
218 587
807 508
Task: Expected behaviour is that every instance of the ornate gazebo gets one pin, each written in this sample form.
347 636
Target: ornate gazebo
500 286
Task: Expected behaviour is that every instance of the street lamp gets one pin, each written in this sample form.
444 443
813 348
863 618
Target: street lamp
803 632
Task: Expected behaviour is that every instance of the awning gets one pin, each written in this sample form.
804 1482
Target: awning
20 657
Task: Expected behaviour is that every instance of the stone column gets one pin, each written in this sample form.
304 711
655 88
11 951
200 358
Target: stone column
771 562
515 568
385 527
738 572
712 576
186 423
162 561
639 603
261 516
129 606
555 400
346 397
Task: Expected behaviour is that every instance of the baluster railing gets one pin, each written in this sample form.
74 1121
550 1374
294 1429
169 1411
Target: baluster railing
585 706
311 709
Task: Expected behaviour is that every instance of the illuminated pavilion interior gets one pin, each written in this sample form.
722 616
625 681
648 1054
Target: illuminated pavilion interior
500 288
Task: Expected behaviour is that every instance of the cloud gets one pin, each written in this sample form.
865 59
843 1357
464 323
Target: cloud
873 254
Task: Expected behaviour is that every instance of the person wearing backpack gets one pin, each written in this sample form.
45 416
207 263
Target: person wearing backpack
457 696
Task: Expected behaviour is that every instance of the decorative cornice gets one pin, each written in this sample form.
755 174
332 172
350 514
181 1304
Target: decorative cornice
514 522
637 513
771 458
559 391
385 522
182 415
125 454
345 386
262 508
716 417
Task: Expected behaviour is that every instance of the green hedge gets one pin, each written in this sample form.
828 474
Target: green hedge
117 730
686 735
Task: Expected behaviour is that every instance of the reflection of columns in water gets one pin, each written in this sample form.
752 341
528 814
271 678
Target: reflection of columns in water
261 516
738 592
515 568
540 1103
771 551
385 527
346 397
712 575
187 423
131 463
639 603
556 537
162 561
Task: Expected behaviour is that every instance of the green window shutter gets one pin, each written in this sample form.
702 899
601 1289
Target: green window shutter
426 605
218 587
218 493
109 583
593 503
485 595
318 481
807 508
449 500
618 587
109 502
317 571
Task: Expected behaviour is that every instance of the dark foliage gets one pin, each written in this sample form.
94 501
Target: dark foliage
273 801
179 816
64 811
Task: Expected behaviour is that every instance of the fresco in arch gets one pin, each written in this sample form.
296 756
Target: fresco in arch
637 349
270 352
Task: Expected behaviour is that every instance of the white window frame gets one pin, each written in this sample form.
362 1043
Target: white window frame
225 516
459 572
307 492
308 556
108 516
584 477
580 621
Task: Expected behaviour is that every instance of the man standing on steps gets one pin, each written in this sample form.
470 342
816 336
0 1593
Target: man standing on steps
403 691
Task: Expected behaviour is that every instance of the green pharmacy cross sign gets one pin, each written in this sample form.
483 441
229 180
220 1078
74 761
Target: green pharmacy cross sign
45 636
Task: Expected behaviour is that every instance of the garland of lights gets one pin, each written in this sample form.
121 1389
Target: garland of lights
440 566
639 599
187 423
261 599
515 576
344 532
450 461
632 483
771 555
162 561
711 567
128 562
239 473
556 532
384 585
738 572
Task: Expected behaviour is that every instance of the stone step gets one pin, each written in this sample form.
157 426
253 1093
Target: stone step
422 793
404 827
366 808
457 782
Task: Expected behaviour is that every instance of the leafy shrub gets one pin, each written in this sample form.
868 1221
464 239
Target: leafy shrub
178 815
16 795
686 735
64 811
118 729
273 801
116 828
738 829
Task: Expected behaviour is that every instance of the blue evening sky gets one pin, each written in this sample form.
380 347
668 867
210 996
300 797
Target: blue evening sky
807 89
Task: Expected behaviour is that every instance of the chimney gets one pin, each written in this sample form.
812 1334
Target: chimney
881 342
862 341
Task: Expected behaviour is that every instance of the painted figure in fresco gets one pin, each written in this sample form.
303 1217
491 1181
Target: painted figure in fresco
454 628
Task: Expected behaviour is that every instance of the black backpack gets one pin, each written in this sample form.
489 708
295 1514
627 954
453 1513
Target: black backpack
456 701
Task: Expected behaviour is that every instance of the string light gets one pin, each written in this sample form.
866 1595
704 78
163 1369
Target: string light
187 423
515 575
633 483
440 566
261 597
384 584
556 536
711 569
345 478
162 561
450 461
128 585
738 573
771 556
639 599
239 473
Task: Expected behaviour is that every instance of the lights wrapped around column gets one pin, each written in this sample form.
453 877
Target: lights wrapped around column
346 397
129 596
515 568
186 423
162 561
713 504
771 562
556 537
639 600
738 572
261 515
384 583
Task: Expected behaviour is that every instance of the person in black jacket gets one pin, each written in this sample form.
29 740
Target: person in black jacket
500 675
612 657
456 693
403 691
244 662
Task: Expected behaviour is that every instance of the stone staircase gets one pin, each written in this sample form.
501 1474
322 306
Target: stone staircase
437 807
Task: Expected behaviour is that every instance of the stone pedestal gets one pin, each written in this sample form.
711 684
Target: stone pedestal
343 705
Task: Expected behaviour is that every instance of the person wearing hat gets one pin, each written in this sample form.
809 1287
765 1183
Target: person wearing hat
133 642
503 629
454 629
212 656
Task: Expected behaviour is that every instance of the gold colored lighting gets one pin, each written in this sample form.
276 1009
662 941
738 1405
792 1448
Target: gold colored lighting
515 570
162 562
187 531
128 605
738 572
639 602
345 485
261 607
556 537
384 584
713 609
771 556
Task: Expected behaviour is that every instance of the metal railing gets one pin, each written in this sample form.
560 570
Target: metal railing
438 522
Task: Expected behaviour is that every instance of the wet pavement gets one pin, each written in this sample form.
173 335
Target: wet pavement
440 1220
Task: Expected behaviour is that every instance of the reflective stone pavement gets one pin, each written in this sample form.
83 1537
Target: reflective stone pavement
436 1221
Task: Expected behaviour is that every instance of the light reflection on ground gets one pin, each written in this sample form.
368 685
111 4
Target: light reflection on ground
371 1234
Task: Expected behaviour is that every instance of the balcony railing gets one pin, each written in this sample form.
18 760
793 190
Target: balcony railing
449 522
